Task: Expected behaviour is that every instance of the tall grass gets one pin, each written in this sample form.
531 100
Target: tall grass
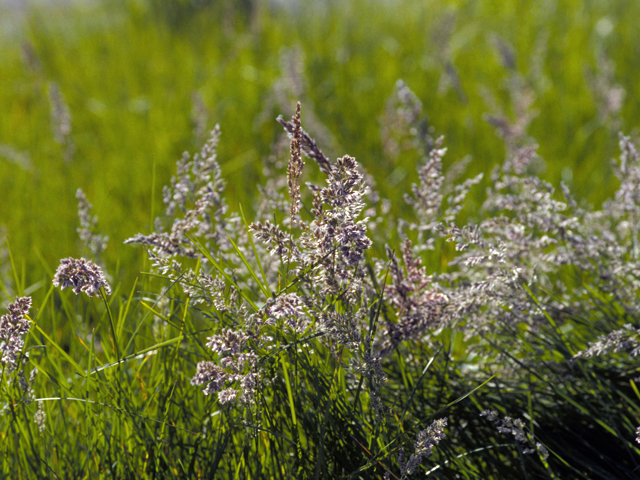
290 310
129 84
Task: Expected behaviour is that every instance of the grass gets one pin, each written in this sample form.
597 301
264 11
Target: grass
131 109
144 81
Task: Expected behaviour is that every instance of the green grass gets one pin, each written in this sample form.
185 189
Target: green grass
116 390
129 83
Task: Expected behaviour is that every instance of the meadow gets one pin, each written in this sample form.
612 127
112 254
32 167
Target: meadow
403 240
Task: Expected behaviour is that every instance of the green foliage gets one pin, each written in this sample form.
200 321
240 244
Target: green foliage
105 96
129 83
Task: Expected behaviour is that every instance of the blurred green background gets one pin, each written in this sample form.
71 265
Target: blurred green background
106 95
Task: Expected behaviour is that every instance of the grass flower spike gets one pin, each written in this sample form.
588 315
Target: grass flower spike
13 327
82 275
87 230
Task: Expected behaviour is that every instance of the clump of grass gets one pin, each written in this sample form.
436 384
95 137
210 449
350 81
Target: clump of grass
322 330
288 345
128 81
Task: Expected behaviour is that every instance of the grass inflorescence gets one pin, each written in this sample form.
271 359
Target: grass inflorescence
330 317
